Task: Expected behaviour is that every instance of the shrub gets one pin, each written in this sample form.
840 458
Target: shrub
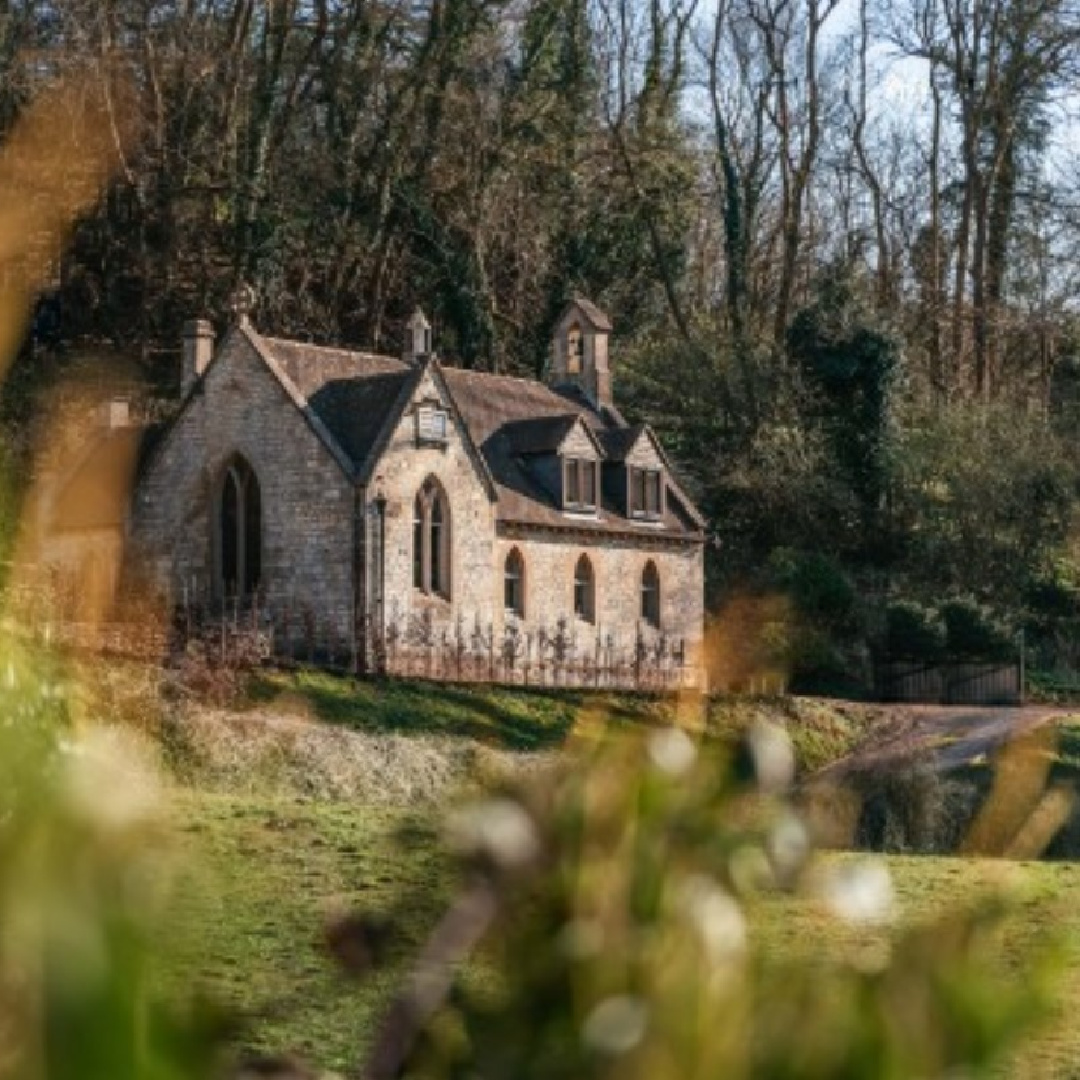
972 631
615 900
821 591
914 632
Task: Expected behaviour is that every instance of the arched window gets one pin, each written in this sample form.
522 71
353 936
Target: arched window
418 543
239 531
575 350
650 594
431 539
514 583
584 590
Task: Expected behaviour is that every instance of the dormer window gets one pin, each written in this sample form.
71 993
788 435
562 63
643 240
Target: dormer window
431 425
646 494
575 350
579 484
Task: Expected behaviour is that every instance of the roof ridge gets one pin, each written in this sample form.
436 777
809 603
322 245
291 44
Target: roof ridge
335 349
497 375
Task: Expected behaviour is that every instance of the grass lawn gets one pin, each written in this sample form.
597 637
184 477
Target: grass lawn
260 877
264 872
521 719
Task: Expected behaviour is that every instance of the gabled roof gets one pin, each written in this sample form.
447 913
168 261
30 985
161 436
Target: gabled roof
618 442
546 434
351 392
596 317
353 401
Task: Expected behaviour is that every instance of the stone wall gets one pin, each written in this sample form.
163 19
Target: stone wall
307 501
308 535
399 475
618 565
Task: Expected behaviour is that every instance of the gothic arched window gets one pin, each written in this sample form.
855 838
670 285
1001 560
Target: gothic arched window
431 539
514 583
650 594
584 590
239 530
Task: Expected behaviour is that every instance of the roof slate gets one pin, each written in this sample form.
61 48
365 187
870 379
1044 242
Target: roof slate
599 320
509 419
539 434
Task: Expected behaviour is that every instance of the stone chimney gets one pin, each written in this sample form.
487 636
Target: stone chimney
198 352
116 414
417 338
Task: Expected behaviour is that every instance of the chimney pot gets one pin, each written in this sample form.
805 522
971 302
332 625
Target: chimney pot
197 354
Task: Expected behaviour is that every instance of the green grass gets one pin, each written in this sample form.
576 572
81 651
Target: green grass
261 876
520 719
263 873
511 718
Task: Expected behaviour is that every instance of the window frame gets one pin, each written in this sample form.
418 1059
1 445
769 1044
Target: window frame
427 412
432 540
580 475
646 494
514 583
238 523
650 595
575 350
584 589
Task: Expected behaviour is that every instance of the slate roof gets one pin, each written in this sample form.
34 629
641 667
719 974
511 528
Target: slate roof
355 395
599 320
618 442
539 434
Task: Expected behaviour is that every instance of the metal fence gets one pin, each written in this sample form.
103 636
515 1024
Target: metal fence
407 645
962 682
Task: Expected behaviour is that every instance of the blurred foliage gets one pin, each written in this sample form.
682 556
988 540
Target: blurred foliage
84 885
616 908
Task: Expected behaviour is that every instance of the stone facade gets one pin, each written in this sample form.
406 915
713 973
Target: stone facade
307 500
391 493
400 474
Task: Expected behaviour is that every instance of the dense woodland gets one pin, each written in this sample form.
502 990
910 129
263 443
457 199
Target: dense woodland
838 239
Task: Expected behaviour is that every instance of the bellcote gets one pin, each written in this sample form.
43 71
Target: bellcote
580 355
417 338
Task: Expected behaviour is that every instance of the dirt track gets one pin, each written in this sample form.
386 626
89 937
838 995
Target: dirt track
947 736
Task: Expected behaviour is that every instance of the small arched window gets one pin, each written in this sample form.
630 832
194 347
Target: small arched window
431 539
575 350
650 594
514 583
418 543
239 531
584 590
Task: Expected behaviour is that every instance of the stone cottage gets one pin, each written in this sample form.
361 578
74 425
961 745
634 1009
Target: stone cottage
399 500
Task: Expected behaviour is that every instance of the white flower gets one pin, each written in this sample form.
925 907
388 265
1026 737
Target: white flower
788 844
716 915
110 779
616 1025
774 756
499 828
672 750
860 892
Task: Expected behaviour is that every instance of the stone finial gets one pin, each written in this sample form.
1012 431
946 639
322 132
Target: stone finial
242 302
418 337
